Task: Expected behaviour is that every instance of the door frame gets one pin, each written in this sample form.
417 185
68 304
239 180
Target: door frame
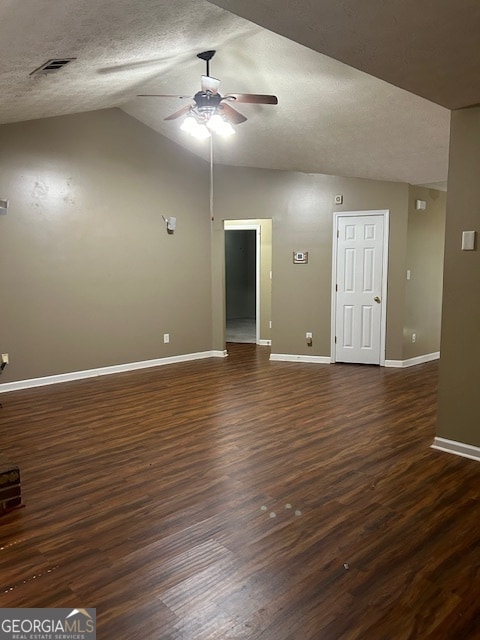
258 229
383 322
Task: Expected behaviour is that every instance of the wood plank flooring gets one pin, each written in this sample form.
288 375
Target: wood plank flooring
243 499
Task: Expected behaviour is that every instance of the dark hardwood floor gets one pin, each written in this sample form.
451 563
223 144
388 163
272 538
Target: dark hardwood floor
242 499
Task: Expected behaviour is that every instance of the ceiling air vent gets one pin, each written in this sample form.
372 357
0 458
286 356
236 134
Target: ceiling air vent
51 66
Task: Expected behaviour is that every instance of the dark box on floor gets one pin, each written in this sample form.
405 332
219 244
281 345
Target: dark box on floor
10 491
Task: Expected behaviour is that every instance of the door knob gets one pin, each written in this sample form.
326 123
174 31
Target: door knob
377 299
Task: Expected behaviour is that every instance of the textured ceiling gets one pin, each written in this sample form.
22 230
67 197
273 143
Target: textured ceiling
429 47
331 118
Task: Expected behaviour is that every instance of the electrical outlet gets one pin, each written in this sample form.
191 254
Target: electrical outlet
309 334
166 338
5 358
414 337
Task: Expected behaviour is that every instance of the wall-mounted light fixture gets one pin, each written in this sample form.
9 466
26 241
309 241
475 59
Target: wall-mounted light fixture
171 224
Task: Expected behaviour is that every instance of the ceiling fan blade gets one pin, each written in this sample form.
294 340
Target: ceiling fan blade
162 95
231 114
210 84
252 98
179 113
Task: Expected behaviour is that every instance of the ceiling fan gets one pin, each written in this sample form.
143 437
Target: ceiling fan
208 109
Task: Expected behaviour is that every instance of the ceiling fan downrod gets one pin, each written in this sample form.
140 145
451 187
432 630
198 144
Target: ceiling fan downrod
207 56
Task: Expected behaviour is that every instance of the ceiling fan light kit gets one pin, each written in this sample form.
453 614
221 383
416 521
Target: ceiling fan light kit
196 129
220 125
210 110
201 128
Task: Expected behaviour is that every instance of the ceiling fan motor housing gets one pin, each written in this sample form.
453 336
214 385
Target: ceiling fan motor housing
207 102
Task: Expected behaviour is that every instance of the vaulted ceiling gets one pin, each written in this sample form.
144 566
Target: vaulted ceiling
364 89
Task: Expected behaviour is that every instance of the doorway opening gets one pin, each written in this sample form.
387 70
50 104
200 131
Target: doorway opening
242 283
248 281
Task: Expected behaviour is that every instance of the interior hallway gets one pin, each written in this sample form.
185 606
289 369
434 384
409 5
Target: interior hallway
241 330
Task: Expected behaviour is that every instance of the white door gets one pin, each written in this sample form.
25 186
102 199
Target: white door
360 288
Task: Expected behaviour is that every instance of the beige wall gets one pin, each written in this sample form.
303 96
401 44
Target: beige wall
88 275
301 208
265 269
459 406
425 245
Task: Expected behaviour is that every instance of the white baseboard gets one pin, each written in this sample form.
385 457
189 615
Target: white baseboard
104 371
411 362
265 343
214 354
457 448
288 357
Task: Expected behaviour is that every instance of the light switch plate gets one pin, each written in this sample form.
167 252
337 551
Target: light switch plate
468 240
